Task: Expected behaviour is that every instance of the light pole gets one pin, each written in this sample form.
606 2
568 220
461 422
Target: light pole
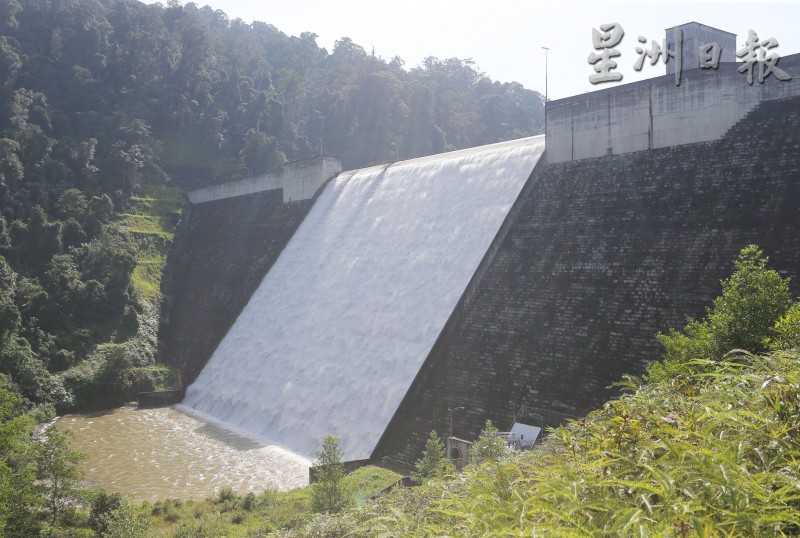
321 118
546 50
451 417
545 74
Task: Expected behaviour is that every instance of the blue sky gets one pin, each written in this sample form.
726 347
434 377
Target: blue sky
505 37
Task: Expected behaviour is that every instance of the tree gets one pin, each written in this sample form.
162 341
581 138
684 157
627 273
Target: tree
30 376
11 169
9 314
260 152
56 467
19 500
72 205
753 299
488 447
100 210
434 462
330 493
103 506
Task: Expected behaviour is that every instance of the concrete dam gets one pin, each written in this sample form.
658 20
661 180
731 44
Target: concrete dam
506 280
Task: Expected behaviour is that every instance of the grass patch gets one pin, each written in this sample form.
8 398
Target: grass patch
165 376
152 217
230 514
147 277
149 224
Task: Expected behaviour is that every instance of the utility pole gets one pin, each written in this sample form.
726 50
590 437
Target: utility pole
545 72
546 50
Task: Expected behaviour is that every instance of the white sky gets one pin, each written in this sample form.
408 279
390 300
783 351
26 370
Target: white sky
504 37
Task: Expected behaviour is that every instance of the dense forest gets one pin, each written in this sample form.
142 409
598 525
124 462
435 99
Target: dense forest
109 105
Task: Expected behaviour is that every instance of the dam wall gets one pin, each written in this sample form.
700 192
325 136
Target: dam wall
230 237
603 253
335 333
646 194
655 113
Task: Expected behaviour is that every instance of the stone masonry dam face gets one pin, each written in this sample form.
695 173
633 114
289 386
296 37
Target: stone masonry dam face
603 253
334 335
589 260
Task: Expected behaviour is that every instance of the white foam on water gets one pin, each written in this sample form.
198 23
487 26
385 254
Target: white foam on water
334 335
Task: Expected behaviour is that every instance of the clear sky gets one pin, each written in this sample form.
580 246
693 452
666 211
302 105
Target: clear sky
505 37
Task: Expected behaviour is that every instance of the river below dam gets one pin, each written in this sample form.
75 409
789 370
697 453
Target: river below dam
163 453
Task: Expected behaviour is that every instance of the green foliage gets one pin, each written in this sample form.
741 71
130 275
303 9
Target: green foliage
742 317
249 501
115 374
10 317
103 506
72 204
19 501
29 374
488 447
434 462
330 492
56 468
787 330
269 512
124 521
752 299
226 494
38 476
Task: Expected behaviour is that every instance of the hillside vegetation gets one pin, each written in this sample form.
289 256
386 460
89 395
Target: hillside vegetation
107 106
709 445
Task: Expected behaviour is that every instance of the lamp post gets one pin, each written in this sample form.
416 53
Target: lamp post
321 118
545 74
451 417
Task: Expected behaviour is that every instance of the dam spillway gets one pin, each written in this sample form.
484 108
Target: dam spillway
336 332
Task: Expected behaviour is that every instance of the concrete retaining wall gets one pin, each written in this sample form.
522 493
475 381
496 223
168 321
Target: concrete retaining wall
160 399
655 113
299 180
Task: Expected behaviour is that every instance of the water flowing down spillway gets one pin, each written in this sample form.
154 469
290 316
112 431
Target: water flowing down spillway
339 327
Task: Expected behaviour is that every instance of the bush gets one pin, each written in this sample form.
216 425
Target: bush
226 494
103 505
125 521
28 372
753 299
787 330
329 494
249 501
488 447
